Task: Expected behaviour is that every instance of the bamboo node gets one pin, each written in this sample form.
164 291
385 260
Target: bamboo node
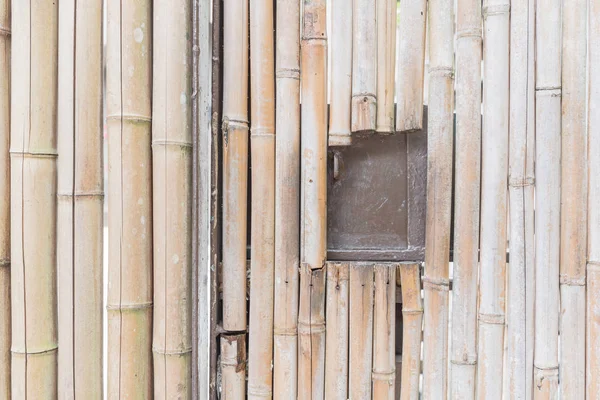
5 262
552 91
4 31
288 73
439 284
262 132
167 352
128 307
259 391
169 142
33 154
466 360
129 117
593 266
52 349
493 319
389 375
521 182
442 72
572 280
468 33
495 9
92 194
412 311
285 332
310 328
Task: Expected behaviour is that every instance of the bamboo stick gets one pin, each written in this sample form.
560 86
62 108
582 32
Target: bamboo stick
33 199
80 200
233 367
412 319
364 66
410 69
463 352
439 194
287 204
128 107
336 347
547 197
384 332
386 64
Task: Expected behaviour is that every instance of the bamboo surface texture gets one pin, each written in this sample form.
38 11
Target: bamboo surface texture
233 367
386 64
384 331
412 320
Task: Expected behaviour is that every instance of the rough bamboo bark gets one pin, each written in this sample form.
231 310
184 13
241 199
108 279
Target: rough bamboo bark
410 68
364 66
341 74
412 321
80 200
386 64
463 352
547 197
128 108
233 367
439 198
384 332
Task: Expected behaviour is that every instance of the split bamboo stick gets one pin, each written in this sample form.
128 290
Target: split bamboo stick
410 69
336 347
573 213
80 200
463 352
386 64
235 162
128 108
287 195
33 199
412 320
547 197
384 332
439 198
364 66
233 367
341 74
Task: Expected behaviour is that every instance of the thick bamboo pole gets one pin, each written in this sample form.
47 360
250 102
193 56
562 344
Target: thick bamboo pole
463 351
439 198
412 320
384 332
33 199
341 74
364 66
128 108
233 367
547 197
386 64
411 65
80 200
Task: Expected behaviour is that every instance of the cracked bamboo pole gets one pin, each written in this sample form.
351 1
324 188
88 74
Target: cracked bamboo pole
547 197
386 65
364 66
233 366
33 199
129 117
439 198
412 321
410 68
80 200
384 331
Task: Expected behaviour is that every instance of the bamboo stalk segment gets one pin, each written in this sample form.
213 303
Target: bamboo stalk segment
412 320
384 332
386 64
336 348
364 66
128 107
233 367
410 68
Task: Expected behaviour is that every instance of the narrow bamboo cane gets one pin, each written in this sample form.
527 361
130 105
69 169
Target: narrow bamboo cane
233 367
80 200
439 195
128 108
336 347
573 212
410 85
412 320
341 74
364 66
384 331
547 197
287 204
463 352
33 199
386 64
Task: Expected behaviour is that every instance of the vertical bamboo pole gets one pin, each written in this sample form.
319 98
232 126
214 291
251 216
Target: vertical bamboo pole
233 367
439 198
336 347
80 200
386 64
384 332
463 352
547 197
410 68
128 107
573 213
341 74
287 204
364 66
412 319
33 199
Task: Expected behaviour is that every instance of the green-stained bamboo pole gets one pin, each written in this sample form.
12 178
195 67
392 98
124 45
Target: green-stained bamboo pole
33 199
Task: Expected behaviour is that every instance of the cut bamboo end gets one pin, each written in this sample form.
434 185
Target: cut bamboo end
384 332
364 113
233 367
336 348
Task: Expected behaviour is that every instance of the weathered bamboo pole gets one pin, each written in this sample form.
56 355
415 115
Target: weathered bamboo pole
439 198
410 69
340 114
336 347
386 64
463 351
384 332
128 108
233 367
547 197
80 200
33 199
364 66
412 321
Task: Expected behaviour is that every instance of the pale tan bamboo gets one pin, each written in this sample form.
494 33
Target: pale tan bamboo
287 195
547 197
128 109
384 332
235 162
386 64
233 367
439 198
33 199
463 351
80 200
410 68
336 347
573 213
412 321
364 66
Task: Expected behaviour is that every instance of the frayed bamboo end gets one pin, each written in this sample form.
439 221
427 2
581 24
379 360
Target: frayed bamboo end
409 124
364 113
